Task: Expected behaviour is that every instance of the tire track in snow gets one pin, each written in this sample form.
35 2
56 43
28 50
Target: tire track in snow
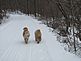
6 53
4 26
16 53
22 53
47 50
40 52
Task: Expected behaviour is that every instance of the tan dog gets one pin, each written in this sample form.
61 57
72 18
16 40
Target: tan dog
38 36
26 34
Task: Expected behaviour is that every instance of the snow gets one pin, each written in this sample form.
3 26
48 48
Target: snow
13 48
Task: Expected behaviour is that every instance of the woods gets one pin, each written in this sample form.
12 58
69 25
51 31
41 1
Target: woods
61 15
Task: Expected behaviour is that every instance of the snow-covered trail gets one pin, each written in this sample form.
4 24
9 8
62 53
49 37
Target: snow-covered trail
13 48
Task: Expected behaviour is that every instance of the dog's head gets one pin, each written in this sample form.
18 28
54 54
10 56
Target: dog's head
25 29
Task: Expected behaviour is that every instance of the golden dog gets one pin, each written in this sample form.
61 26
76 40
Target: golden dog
38 36
26 34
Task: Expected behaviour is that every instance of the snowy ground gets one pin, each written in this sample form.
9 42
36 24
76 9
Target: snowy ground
13 48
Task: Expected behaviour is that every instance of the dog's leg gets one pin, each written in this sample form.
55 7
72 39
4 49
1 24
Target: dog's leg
38 41
26 40
39 38
35 38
